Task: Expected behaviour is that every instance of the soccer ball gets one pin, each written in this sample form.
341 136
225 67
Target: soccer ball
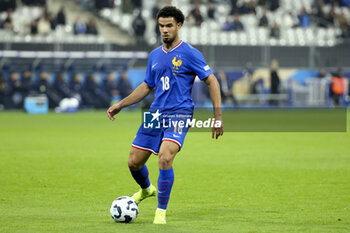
124 209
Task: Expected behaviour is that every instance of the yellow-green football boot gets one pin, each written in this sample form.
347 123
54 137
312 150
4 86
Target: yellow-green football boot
159 217
144 193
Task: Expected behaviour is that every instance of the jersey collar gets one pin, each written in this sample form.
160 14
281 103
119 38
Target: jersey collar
178 45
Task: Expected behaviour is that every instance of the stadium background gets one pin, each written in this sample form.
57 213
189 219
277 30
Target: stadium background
308 39
60 172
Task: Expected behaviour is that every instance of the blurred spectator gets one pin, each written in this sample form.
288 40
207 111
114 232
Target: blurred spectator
243 9
317 4
15 88
226 89
263 3
27 83
325 19
258 86
109 86
124 85
251 7
139 26
8 23
323 74
110 4
157 31
3 92
196 15
79 26
61 17
6 5
342 20
289 20
89 92
155 10
344 25
194 2
44 26
61 87
274 4
345 31
91 27
274 80
264 21
43 84
93 95
137 3
89 4
234 8
210 10
76 86
34 27
228 24
34 2
247 8
275 31
127 7
331 16
316 9
304 18
43 87
52 21
338 87
336 3
237 24
100 4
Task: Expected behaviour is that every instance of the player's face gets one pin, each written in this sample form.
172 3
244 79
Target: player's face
168 29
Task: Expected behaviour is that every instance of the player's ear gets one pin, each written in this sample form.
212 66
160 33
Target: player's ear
179 25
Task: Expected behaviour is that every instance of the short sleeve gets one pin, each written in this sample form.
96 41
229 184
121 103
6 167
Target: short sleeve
199 65
149 79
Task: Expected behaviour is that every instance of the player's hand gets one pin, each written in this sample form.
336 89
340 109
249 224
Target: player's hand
217 131
113 110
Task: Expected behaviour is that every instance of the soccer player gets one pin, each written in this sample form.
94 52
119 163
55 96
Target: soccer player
171 70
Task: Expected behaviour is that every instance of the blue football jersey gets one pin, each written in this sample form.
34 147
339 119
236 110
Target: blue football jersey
172 74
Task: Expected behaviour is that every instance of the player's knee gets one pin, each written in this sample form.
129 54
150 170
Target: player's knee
132 165
165 161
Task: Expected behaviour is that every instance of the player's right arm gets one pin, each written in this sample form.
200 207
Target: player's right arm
136 96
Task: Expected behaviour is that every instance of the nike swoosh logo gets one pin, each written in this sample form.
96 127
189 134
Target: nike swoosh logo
176 136
154 65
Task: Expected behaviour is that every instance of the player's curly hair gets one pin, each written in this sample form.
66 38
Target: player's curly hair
171 11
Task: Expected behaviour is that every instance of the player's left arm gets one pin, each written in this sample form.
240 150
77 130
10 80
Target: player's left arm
214 89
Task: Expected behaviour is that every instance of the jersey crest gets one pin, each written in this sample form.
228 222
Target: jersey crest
177 63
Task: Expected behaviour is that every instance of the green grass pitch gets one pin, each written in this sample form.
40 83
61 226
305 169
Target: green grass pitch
60 173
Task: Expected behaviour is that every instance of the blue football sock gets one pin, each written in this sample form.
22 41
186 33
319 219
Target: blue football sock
165 182
141 177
